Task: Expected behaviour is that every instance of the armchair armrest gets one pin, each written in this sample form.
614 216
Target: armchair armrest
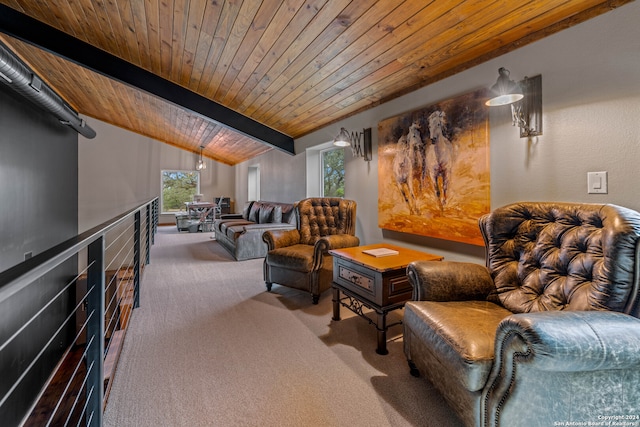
332 241
548 359
336 241
572 341
449 281
280 238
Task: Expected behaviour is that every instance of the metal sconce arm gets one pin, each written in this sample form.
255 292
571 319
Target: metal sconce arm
527 113
363 150
353 140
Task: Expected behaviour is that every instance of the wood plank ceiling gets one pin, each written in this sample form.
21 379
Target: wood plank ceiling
292 65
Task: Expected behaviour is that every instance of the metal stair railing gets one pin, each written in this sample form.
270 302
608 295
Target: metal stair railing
89 330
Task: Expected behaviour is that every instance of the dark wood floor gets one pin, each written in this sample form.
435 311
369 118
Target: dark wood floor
63 401
45 411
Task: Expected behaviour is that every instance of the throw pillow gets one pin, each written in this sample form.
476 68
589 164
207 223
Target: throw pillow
246 210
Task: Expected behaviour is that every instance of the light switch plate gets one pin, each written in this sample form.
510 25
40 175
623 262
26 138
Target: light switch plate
597 183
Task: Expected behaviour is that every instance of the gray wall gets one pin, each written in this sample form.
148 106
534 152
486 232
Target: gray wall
120 169
591 106
38 210
282 178
39 176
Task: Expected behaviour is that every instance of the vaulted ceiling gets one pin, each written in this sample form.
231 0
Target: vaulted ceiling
287 66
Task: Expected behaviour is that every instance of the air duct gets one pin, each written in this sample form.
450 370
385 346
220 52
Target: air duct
21 79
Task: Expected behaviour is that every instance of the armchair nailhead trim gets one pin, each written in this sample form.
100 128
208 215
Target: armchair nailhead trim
517 357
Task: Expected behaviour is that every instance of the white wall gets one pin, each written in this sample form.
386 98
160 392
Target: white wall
119 170
591 104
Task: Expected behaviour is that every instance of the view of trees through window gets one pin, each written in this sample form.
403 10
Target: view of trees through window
178 187
333 172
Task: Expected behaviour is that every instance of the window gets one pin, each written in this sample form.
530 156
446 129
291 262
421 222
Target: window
332 172
178 187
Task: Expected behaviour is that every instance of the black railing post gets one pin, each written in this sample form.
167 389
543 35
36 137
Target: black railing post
95 332
155 219
156 216
136 261
148 236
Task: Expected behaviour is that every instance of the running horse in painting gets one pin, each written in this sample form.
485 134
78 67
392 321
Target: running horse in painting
416 151
439 157
403 173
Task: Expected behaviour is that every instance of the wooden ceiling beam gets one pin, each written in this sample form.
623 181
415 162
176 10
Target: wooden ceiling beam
50 39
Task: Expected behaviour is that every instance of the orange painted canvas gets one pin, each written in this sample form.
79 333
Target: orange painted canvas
433 169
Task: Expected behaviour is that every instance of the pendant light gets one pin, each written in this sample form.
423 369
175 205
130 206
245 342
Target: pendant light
201 164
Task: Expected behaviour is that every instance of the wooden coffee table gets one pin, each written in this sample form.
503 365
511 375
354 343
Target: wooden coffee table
379 283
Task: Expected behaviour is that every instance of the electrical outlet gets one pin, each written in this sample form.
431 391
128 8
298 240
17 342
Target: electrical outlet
597 183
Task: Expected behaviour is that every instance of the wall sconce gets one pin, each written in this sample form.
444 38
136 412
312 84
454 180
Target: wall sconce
525 98
344 139
201 164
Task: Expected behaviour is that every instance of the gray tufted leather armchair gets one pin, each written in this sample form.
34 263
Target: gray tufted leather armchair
299 258
546 333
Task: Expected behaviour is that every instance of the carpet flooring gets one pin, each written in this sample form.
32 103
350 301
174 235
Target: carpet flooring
209 346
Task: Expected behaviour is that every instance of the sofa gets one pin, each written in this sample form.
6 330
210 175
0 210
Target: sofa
241 234
547 332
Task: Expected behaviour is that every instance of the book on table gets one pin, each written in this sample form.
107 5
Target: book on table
378 252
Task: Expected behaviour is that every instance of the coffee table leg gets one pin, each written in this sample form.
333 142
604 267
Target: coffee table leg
336 304
382 334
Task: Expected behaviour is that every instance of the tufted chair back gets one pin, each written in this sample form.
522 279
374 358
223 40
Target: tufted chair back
561 256
323 216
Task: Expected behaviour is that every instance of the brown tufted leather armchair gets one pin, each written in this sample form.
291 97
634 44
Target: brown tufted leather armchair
547 332
298 258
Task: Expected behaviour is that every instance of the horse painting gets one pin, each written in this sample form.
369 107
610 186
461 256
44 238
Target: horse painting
434 170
